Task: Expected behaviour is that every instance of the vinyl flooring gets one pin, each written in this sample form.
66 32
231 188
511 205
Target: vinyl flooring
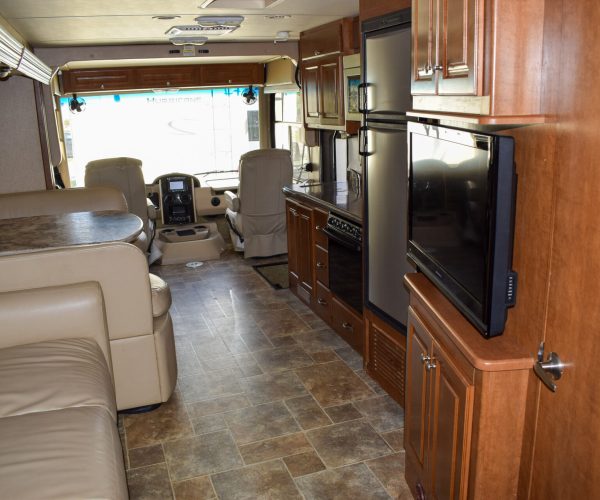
270 403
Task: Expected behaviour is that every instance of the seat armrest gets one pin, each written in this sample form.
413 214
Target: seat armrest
161 295
55 312
232 201
151 209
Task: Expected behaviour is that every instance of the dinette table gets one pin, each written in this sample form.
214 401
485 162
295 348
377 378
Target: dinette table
41 232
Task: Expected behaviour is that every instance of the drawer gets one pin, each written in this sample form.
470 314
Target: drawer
320 221
322 304
348 324
322 265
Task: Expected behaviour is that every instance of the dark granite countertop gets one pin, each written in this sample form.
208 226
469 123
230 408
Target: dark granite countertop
334 196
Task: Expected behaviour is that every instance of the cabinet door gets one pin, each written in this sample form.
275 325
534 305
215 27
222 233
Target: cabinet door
452 401
165 76
310 92
332 106
424 28
416 400
304 245
232 74
292 237
459 46
81 80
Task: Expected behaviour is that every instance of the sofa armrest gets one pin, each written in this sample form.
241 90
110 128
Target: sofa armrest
56 312
232 201
151 209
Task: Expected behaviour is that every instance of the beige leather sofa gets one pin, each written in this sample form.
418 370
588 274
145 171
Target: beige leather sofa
63 201
140 330
256 215
57 406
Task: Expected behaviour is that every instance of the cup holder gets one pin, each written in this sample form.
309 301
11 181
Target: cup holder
193 233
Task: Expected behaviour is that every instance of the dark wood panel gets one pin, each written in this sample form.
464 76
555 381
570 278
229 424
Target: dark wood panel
161 76
321 265
88 80
232 74
423 47
322 304
310 93
332 104
321 40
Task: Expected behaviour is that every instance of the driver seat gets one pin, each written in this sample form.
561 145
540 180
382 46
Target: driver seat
125 174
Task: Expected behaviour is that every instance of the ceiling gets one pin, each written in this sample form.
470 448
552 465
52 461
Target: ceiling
56 23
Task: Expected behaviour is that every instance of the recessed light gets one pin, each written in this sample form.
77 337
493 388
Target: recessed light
165 18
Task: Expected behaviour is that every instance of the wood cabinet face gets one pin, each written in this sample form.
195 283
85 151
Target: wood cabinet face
310 91
439 401
424 28
86 80
292 237
231 74
450 424
348 324
299 221
445 47
457 47
331 91
160 77
323 40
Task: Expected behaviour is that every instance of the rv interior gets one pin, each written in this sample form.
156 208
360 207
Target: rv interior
277 249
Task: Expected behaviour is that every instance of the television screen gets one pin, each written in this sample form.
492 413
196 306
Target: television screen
461 195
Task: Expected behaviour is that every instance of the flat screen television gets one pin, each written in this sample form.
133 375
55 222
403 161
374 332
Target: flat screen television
462 187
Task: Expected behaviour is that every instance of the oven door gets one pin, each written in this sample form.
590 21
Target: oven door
345 269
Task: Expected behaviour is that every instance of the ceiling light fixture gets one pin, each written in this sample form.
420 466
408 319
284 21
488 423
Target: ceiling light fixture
165 18
282 36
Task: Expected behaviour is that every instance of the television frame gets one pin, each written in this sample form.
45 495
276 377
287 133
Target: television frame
500 281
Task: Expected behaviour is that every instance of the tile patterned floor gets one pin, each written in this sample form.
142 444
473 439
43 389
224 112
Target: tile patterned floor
270 403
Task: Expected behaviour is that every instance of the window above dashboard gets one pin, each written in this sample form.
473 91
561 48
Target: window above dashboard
188 131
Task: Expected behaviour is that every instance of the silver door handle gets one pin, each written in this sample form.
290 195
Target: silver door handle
550 370
425 358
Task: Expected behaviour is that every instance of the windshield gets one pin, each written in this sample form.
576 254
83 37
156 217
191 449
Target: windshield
189 131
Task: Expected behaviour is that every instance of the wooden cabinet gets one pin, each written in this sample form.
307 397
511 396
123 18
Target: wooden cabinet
149 77
478 58
439 408
321 51
375 8
445 46
161 77
385 355
232 74
465 403
90 80
299 229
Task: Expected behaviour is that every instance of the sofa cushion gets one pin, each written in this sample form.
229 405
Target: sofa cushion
52 375
70 453
161 296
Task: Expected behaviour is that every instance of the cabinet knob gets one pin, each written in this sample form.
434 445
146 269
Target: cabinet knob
321 302
430 365
102 86
318 228
168 84
321 265
317 52
347 326
425 358
438 67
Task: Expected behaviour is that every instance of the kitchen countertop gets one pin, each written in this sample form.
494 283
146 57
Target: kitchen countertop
335 196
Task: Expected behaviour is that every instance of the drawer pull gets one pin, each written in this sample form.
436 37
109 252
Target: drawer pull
318 228
321 265
430 365
321 302
347 326
425 358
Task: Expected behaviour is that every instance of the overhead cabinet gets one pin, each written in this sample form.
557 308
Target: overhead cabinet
480 57
321 52
151 77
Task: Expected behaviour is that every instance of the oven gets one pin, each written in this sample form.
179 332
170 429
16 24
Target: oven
345 260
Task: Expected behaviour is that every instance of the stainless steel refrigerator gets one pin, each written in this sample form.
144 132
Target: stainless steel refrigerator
385 97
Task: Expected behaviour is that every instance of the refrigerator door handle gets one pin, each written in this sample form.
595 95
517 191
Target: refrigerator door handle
364 135
365 94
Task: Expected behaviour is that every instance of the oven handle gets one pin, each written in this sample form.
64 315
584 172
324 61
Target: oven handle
346 242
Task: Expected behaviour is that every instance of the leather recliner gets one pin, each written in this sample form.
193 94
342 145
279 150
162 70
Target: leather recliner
256 215
125 174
